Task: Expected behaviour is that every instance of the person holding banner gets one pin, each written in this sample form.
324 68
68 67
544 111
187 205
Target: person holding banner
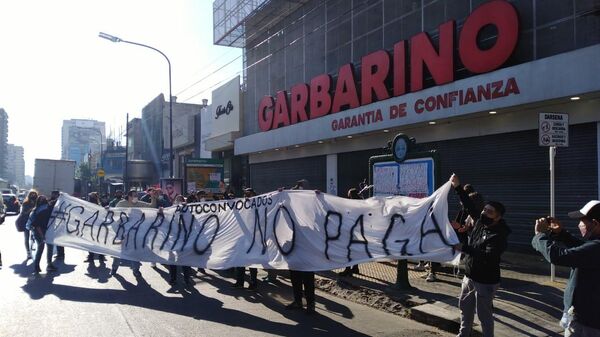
486 242
60 250
348 271
94 198
240 272
38 224
304 279
132 202
187 270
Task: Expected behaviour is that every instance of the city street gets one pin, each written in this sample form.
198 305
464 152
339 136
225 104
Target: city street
83 300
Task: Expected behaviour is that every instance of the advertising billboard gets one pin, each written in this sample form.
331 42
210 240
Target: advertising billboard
204 175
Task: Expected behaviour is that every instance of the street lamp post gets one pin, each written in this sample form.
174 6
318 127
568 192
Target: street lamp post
116 39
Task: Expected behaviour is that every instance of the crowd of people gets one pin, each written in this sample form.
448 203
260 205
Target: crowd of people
480 226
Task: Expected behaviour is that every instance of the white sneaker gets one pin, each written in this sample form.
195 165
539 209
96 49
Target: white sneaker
419 267
431 278
564 321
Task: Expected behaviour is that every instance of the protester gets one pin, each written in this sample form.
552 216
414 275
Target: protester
60 250
187 270
303 278
561 248
463 222
191 198
94 199
348 271
118 197
132 201
38 224
21 222
486 242
170 192
241 271
2 219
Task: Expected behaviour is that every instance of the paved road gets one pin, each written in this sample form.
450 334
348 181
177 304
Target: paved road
83 300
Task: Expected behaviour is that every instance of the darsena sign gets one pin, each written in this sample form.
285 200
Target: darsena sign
314 100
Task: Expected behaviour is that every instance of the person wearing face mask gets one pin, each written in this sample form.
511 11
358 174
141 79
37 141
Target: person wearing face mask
563 249
486 241
131 201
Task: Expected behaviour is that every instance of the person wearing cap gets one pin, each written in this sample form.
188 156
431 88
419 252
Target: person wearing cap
486 241
563 249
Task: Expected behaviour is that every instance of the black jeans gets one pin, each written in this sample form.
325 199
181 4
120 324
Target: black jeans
60 251
39 239
240 273
187 272
306 278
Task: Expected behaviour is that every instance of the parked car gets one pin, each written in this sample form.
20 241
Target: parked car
11 203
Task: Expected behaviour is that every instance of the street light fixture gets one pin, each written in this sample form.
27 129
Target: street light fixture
116 39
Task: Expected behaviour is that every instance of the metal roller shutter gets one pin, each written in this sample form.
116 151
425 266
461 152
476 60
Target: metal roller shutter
266 177
510 168
513 169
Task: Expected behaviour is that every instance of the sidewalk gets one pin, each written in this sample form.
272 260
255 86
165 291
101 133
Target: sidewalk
527 303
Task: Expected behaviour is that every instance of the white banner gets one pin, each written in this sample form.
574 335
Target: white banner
299 230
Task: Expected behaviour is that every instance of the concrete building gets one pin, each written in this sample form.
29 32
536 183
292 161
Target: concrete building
15 164
134 136
80 137
155 135
328 83
3 142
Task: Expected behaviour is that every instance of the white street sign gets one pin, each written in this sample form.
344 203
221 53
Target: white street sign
554 129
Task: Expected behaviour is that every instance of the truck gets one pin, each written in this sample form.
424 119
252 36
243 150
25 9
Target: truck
52 174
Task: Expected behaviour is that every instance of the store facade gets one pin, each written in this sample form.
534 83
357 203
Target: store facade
331 82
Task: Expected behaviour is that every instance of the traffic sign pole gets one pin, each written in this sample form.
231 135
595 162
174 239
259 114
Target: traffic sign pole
553 132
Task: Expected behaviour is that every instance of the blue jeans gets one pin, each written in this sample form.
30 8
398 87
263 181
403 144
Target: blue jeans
39 239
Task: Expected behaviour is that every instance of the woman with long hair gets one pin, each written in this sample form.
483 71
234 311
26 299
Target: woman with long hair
38 224
26 208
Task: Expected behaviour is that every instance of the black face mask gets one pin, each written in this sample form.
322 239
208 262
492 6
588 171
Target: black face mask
485 220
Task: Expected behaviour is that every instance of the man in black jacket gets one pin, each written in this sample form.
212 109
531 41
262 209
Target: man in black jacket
563 249
487 240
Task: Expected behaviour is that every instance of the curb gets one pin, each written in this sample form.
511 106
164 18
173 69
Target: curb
396 302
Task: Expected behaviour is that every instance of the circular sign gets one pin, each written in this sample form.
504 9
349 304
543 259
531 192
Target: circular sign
400 147
100 173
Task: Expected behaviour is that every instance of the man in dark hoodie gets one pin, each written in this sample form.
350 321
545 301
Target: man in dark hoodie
486 242
563 249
